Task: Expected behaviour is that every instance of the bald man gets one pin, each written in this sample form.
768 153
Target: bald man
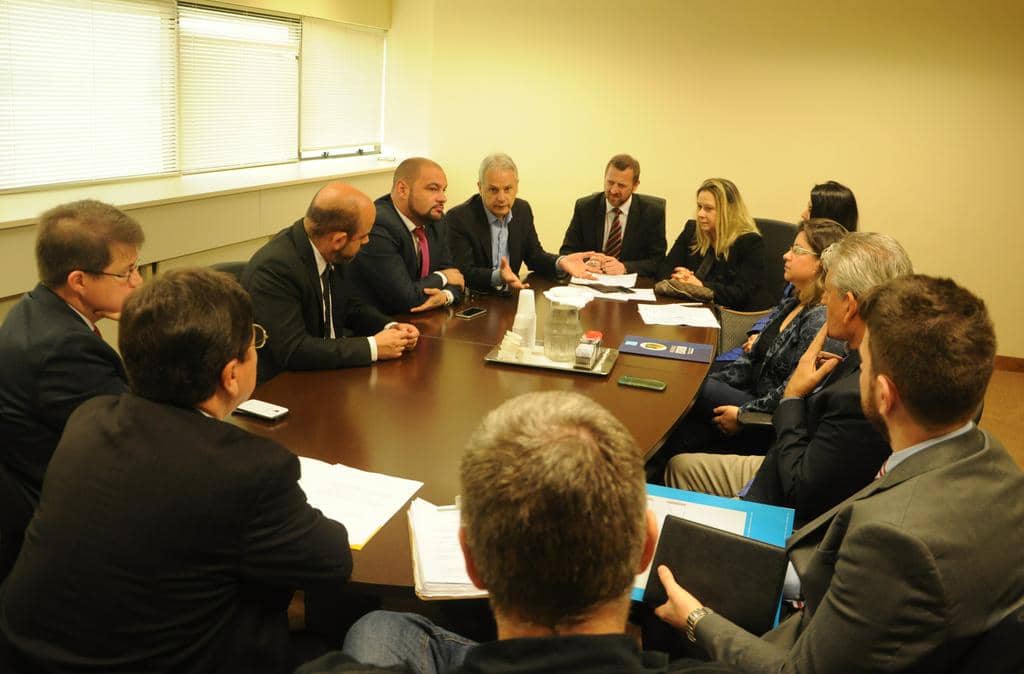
407 265
302 297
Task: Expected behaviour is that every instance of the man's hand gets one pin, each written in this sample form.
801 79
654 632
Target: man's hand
574 265
727 419
751 340
686 276
435 299
509 277
595 262
680 602
612 266
454 277
392 343
813 367
410 331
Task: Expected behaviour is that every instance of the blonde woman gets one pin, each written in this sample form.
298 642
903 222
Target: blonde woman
721 250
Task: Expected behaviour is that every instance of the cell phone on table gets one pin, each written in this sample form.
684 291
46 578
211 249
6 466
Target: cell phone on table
641 382
261 410
470 313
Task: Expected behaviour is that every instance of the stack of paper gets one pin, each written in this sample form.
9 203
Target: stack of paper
439 570
677 314
620 288
362 501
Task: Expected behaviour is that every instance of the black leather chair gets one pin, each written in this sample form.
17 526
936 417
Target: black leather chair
998 651
233 268
16 510
778 237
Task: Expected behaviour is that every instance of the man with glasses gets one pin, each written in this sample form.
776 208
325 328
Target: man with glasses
166 539
53 356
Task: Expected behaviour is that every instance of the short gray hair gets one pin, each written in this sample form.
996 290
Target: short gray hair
498 160
862 260
554 506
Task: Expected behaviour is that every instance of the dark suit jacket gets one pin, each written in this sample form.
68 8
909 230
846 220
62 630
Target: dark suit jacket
471 242
166 541
824 451
643 243
386 272
52 363
904 575
735 281
287 298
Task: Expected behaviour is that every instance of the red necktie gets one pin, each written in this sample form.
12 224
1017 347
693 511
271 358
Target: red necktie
421 236
97 331
613 246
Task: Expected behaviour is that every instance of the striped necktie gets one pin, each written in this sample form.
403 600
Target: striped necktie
613 246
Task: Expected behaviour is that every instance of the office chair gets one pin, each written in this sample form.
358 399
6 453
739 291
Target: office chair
778 237
233 268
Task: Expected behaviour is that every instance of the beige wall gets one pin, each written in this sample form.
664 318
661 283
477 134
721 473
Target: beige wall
916 105
373 13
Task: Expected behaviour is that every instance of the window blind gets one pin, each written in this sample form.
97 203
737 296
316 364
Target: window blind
342 87
239 88
87 90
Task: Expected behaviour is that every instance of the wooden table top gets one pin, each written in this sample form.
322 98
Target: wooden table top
411 417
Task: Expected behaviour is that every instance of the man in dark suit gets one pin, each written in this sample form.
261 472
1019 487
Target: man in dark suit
909 572
406 265
167 539
492 234
629 228
825 449
290 277
53 356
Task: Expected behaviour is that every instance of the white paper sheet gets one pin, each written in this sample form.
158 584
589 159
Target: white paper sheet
362 501
440 569
624 280
677 314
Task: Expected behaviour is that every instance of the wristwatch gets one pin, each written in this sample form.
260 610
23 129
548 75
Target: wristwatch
692 620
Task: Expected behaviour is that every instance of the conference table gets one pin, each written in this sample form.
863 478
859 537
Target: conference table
411 417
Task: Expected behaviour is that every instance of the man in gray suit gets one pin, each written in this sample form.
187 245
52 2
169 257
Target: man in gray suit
906 574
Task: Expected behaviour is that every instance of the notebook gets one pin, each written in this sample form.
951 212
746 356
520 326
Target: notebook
739 578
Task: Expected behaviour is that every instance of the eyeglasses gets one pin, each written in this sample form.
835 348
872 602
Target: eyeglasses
800 250
259 335
124 276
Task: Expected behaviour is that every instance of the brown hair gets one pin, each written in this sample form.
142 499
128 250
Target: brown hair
935 341
623 162
821 233
554 506
180 330
78 236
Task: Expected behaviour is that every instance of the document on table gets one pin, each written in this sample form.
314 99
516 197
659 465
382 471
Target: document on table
362 501
677 314
636 295
624 280
439 570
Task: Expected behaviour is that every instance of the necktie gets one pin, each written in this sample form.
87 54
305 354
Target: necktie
97 331
325 281
613 246
421 237
881 471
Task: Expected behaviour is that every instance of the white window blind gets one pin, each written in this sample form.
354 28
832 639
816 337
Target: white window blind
239 88
342 86
87 90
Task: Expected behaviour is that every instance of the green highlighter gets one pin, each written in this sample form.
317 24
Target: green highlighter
640 382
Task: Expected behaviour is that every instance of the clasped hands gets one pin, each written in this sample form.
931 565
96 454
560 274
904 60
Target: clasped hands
686 276
395 340
436 296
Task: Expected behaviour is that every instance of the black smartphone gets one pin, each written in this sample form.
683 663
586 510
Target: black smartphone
470 312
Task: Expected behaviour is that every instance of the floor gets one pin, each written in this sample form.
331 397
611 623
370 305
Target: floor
1004 411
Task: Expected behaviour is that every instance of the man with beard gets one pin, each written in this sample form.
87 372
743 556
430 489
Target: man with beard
825 449
406 265
299 289
629 228
909 572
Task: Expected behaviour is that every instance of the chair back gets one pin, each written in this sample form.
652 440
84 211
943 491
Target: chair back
999 650
778 237
735 325
233 268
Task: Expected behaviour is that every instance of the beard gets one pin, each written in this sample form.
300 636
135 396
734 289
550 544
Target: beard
867 406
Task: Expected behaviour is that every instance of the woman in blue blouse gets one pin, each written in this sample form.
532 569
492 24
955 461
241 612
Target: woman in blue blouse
755 381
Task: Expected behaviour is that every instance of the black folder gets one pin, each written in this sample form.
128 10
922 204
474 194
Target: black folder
739 578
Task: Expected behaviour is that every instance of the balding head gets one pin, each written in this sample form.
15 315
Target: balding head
409 170
337 207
